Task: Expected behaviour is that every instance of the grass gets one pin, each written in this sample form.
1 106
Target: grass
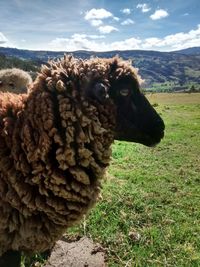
150 212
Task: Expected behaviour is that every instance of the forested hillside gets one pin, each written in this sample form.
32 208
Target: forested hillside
162 71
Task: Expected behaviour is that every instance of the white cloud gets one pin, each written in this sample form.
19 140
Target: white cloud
97 42
5 42
96 17
97 14
127 22
76 42
116 18
128 44
3 39
159 14
96 22
144 7
126 11
107 29
89 36
176 41
84 42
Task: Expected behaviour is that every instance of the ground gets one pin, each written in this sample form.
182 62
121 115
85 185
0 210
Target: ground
77 253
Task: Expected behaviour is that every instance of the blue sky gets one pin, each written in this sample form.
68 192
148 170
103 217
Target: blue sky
100 25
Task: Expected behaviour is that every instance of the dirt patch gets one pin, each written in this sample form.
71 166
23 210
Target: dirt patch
81 253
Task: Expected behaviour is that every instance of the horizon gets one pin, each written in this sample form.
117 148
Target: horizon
99 26
92 51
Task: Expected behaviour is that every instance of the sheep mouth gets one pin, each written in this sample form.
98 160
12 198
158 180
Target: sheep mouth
133 133
152 141
140 138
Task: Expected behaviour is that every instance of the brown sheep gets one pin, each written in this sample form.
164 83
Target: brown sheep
14 80
55 143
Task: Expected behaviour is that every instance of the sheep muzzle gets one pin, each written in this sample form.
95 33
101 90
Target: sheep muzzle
137 120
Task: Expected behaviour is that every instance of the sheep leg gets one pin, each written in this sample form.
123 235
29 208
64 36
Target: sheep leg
10 259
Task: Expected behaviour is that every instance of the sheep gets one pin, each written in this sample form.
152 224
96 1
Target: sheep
14 80
55 144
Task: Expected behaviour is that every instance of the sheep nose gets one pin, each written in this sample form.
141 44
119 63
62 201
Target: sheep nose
159 124
158 127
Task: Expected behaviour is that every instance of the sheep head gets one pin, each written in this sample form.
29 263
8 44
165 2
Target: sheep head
14 80
136 120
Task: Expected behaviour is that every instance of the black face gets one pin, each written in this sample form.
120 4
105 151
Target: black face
137 121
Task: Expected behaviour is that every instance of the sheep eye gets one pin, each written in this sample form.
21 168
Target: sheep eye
124 92
101 91
11 84
100 87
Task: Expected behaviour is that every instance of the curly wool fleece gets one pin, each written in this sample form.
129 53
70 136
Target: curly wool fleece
54 147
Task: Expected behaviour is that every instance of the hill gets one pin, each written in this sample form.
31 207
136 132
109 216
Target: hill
167 71
190 51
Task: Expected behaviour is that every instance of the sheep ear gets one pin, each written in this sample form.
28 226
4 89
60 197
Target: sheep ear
1 83
100 92
113 65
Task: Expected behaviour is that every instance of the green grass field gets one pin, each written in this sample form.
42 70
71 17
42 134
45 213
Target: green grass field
149 214
150 211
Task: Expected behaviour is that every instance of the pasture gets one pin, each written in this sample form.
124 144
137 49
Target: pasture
149 214
150 211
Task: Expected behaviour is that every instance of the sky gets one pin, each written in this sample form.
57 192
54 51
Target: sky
100 25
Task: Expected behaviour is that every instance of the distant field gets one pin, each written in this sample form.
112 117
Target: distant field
174 98
170 86
149 214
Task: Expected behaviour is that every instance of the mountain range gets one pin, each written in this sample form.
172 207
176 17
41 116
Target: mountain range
178 69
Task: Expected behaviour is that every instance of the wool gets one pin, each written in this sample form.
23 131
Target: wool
55 146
